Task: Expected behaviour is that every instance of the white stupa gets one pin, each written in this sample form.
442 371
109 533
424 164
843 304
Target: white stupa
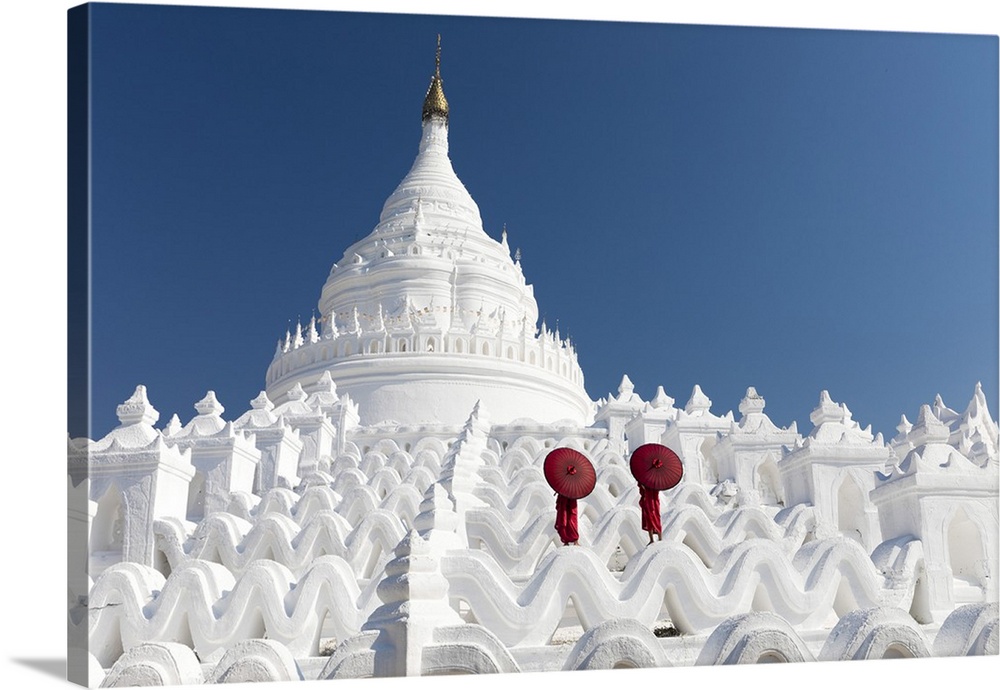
428 314
382 510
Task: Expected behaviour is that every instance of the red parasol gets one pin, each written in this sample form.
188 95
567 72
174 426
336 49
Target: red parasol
656 467
569 473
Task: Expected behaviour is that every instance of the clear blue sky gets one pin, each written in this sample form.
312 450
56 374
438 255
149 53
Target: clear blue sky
794 210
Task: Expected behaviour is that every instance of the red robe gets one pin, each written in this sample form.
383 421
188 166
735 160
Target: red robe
566 519
649 504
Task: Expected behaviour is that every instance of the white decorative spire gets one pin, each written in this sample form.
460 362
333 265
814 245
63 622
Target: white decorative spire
330 329
418 215
209 406
698 402
826 411
625 388
407 315
173 426
137 409
262 402
661 399
832 424
324 384
751 403
978 426
928 428
296 393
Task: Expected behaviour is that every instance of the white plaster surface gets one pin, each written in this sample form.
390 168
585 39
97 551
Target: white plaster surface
380 508
442 559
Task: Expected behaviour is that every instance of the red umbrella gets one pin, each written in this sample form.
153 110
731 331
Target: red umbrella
656 467
569 473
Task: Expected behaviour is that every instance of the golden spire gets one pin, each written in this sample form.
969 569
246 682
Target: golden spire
434 102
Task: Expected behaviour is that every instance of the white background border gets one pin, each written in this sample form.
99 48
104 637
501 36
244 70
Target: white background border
33 339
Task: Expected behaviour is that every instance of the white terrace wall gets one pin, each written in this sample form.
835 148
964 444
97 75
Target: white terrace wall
322 572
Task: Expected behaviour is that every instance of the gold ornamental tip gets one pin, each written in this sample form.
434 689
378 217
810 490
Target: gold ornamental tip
434 102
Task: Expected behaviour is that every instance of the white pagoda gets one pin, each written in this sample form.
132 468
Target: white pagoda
380 508
428 314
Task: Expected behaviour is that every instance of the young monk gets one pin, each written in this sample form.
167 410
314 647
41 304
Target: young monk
649 504
566 520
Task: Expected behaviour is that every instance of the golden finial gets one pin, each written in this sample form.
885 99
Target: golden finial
434 102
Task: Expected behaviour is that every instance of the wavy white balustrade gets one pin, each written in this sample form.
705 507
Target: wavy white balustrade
515 529
513 481
362 526
823 579
518 552
521 507
615 486
357 500
878 632
276 537
203 606
520 494
401 461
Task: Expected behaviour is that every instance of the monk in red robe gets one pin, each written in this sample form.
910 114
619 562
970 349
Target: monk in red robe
566 520
649 504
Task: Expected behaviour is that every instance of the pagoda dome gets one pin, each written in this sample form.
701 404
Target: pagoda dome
428 314
429 250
